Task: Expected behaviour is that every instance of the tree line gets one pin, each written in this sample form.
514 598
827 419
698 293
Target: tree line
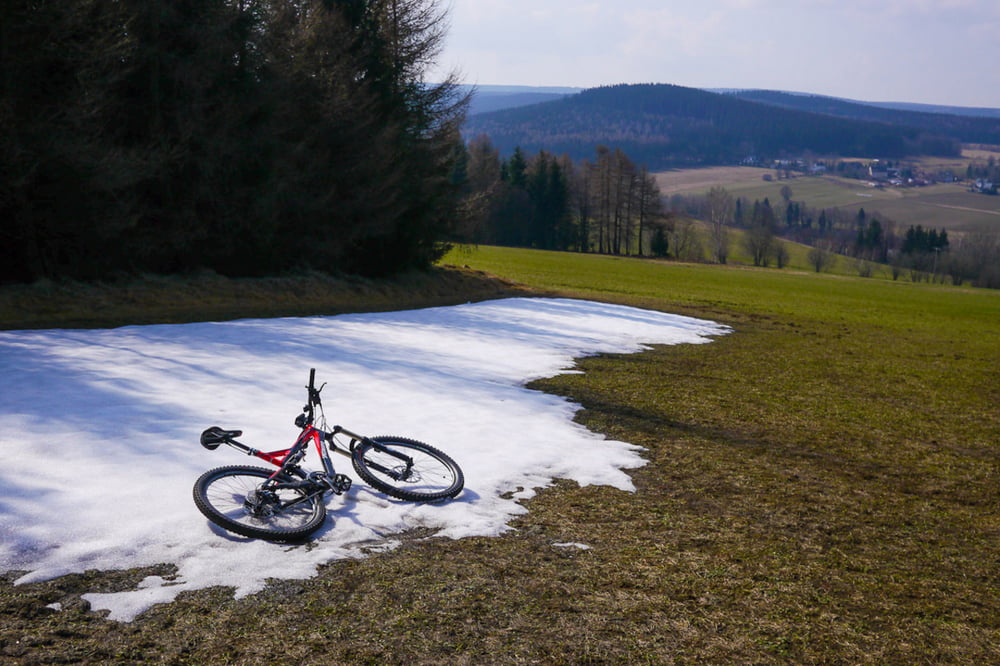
607 204
866 238
611 205
246 136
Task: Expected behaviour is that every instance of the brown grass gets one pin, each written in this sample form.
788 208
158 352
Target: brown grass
821 489
692 180
206 296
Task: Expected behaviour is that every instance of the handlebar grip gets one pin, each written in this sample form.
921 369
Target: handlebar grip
312 379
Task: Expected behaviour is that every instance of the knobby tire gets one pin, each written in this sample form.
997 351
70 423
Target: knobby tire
220 494
433 477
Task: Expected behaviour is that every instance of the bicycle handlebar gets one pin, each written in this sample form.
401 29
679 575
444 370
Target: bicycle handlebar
313 391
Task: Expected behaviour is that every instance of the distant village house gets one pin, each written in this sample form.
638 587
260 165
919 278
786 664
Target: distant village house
983 186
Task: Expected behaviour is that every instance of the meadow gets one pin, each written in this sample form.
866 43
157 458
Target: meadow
822 487
942 206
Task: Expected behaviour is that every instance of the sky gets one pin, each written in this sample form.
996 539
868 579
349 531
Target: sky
99 431
923 51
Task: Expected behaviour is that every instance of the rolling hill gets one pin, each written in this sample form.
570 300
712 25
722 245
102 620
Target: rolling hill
489 97
666 126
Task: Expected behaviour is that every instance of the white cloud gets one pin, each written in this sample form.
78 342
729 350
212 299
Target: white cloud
655 31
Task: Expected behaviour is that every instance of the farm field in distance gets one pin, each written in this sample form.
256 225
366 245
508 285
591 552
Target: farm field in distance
947 206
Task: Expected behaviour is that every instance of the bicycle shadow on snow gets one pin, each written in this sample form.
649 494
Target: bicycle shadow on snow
366 509
356 507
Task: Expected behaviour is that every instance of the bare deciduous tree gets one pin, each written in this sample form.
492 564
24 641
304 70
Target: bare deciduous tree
685 240
759 243
821 259
720 205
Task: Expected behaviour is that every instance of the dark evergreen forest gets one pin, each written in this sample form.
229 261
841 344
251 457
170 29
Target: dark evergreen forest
246 136
666 126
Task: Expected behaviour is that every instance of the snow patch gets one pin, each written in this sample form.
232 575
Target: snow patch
99 430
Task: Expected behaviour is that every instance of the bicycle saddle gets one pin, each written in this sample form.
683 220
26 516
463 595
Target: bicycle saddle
212 437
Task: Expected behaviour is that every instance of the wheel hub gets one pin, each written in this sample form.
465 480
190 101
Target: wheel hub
407 473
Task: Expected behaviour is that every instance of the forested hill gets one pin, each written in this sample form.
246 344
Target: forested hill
965 128
663 126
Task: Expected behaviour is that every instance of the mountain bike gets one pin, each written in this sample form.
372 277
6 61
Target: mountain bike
288 504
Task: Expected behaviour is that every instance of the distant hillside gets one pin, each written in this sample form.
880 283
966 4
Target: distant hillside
965 128
494 98
670 126
978 112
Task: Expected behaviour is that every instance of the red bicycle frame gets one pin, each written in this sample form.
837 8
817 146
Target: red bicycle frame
284 458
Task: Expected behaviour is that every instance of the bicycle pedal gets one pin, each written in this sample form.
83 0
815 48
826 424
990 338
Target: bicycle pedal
341 483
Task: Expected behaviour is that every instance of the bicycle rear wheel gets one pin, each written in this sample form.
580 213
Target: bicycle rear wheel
231 497
407 469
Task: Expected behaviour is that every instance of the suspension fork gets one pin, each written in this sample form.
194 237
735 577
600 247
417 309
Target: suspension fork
358 439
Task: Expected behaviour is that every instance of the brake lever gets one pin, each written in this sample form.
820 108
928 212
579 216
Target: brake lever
315 395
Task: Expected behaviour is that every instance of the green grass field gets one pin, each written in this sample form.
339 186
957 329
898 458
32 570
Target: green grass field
823 487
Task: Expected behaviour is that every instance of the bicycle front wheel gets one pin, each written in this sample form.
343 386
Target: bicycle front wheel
407 469
232 498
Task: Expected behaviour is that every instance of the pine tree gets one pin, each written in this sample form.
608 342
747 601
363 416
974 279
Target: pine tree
517 169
